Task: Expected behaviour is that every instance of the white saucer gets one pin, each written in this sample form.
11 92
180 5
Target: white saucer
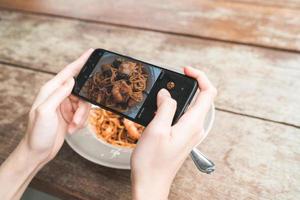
88 146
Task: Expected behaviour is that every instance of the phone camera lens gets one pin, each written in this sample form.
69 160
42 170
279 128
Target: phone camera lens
170 85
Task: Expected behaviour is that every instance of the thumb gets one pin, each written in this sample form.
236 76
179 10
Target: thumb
166 107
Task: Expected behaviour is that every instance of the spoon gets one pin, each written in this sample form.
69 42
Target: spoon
202 163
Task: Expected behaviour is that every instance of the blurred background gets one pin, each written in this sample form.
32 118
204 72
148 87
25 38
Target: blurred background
250 49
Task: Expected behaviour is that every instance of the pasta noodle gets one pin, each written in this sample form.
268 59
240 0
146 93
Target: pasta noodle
119 85
114 129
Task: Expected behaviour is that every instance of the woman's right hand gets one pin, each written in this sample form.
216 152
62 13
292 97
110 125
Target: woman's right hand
162 148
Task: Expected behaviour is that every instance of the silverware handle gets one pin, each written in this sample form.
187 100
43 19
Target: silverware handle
202 163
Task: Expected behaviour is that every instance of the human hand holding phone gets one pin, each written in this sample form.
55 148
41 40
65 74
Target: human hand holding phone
54 113
128 86
155 161
163 148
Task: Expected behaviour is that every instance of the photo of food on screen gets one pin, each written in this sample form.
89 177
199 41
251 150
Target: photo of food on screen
120 83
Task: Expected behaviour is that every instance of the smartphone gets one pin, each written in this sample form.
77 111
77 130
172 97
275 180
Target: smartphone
128 86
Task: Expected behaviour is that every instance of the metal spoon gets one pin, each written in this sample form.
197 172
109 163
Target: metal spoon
202 163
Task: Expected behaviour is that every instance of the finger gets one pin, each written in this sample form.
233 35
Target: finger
72 128
205 98
81 113
79 124
74 105
58 96
73 68
203 81
85 117
67 110
70 71
74 98
166 107
196 114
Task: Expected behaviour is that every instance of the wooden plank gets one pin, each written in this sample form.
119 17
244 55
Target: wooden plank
251 81
276 27
255 159
291 4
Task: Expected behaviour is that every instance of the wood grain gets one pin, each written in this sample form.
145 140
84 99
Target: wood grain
276 27
251 81
291 4
255 159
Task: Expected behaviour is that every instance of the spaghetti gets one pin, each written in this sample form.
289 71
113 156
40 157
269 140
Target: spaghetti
114 129
119 85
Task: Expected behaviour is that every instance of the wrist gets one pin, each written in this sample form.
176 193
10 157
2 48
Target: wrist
30 157
150 188
17 171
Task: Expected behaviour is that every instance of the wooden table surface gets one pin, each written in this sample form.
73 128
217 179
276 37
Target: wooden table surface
249 48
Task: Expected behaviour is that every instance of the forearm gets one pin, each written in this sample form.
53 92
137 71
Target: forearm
150 189
17 171
143 193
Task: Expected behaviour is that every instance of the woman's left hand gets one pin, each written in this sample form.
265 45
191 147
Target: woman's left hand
56 112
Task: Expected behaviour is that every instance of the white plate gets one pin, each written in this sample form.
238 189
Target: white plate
88 146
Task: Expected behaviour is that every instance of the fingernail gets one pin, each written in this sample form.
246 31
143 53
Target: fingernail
71 129
189 68
76 120
164 92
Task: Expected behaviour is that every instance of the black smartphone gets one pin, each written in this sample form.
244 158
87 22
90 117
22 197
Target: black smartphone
128 87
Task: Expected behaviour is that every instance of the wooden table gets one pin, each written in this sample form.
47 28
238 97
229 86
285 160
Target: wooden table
249 48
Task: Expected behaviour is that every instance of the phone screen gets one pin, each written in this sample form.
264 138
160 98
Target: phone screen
120 83
129 86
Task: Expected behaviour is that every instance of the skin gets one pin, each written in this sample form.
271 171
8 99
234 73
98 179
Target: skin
162 148
159 154
43 140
